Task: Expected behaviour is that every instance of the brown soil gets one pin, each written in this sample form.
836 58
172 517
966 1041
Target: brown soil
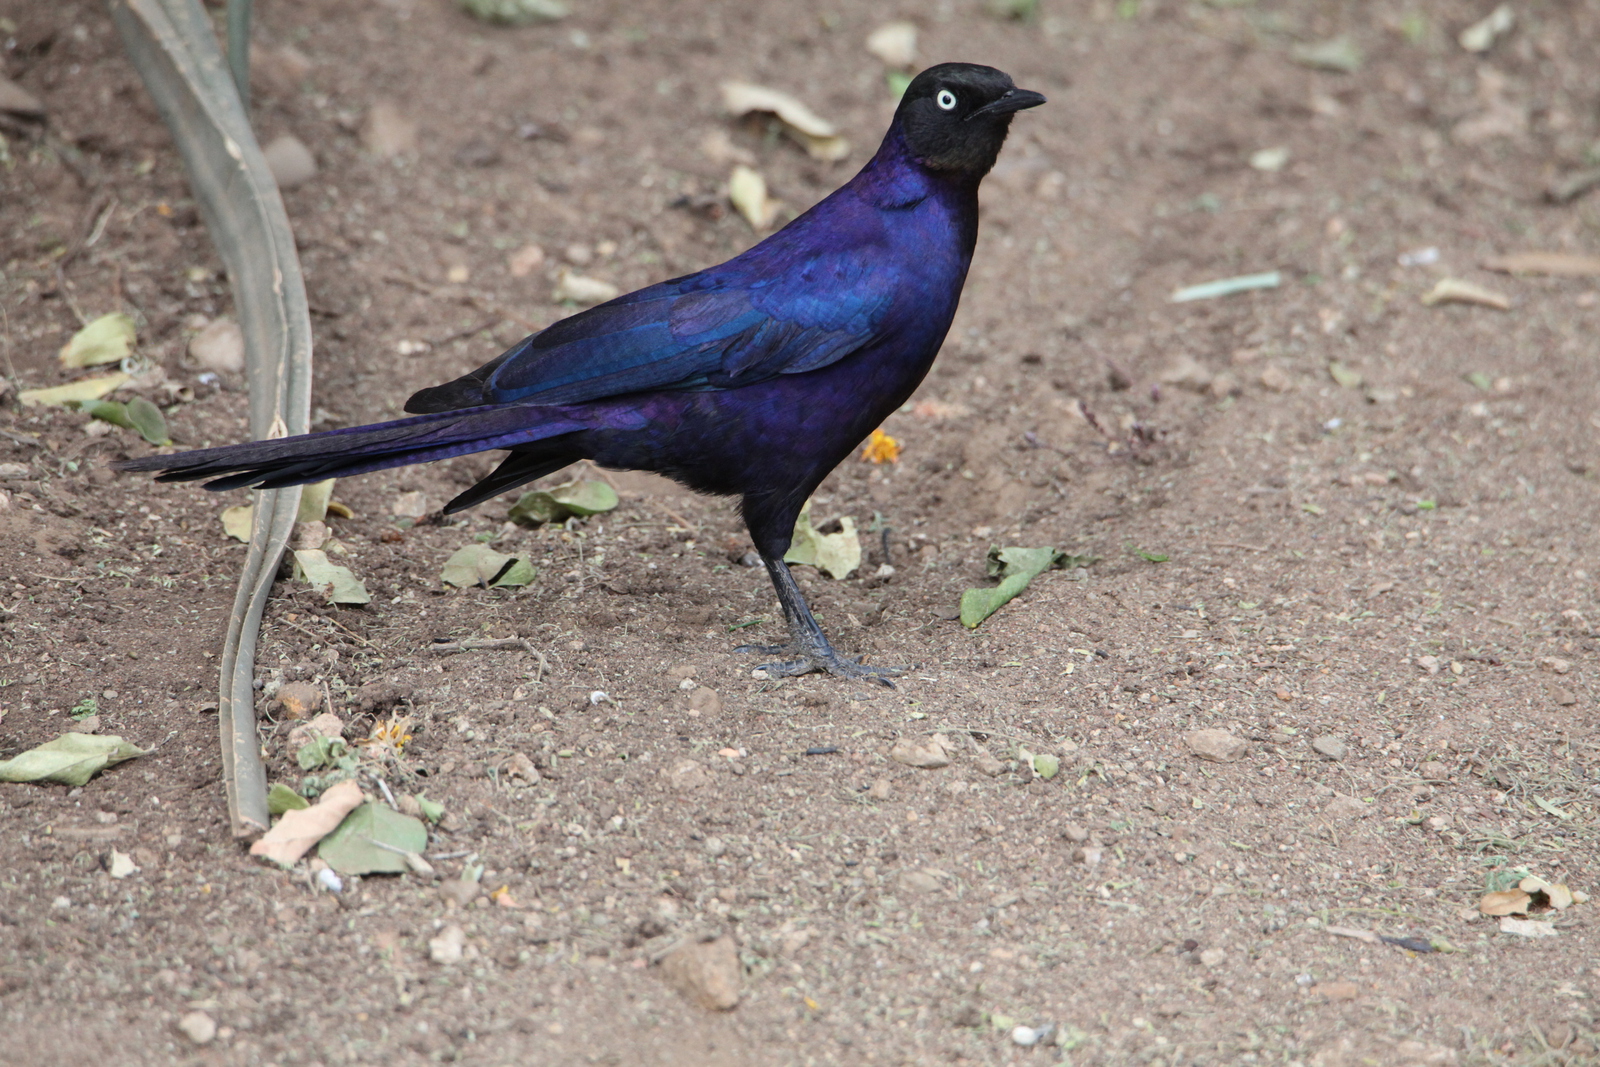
1324 541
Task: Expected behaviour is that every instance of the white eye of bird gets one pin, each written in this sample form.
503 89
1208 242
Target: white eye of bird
946 99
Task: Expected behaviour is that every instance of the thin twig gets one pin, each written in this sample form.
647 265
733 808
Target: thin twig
491 644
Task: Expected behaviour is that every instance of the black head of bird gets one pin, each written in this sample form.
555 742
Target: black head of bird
956 116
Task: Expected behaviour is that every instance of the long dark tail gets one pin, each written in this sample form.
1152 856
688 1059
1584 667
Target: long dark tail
539 437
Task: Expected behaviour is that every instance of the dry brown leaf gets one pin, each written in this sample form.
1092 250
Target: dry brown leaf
1561 897
1564 264
1505 902
1457 291
819 136
297 831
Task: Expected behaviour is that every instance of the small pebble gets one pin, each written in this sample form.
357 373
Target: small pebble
219 346
687 775
1219 746
708 973
290 161
1028 1036
459 891
198 1027
924 753
1331 747
448 946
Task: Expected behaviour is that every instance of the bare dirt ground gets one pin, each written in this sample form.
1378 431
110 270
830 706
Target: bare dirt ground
1402 571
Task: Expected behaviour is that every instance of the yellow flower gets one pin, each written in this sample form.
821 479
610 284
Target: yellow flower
881 448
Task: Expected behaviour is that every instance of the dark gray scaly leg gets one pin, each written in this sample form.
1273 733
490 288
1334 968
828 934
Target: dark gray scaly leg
808 649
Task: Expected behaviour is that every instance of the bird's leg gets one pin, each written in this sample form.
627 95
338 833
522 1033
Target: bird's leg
808 649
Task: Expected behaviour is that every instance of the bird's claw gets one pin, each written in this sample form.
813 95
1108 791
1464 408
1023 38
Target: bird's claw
807 660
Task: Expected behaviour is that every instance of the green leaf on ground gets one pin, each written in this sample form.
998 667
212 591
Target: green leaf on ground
373 839
578 498
1339 54
1479 380
1153 557
432 810
478 564
838 553
71 759
320 752
1015 567
280 798
337 583
108 339
137 414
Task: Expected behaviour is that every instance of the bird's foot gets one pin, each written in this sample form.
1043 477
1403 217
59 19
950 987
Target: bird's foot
805 660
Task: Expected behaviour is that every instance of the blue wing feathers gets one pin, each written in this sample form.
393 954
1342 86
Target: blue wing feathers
722 328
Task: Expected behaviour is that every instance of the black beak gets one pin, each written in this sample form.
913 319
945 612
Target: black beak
1014 100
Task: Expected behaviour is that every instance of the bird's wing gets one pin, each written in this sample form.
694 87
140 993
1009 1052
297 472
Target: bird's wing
713 330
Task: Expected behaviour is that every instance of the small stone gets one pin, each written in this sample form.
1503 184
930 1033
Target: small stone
895 43
880 789
459 891
525 260
687 775
578 254
290 161
1527 927
519 767
1213 956
1276 378
1434 770
18 101
1332 747
387 132
705 701
448 946
1563 697
121 865
1075 833
1338 990
682 671
1344 808
325 725
89 724
412 505
708 973
198 1027
1428 664
1225 385
1088 855
1219 746
1556 664
927 753
1067 747
300 700
1186 372
715 847
989 764
219 347
918 881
